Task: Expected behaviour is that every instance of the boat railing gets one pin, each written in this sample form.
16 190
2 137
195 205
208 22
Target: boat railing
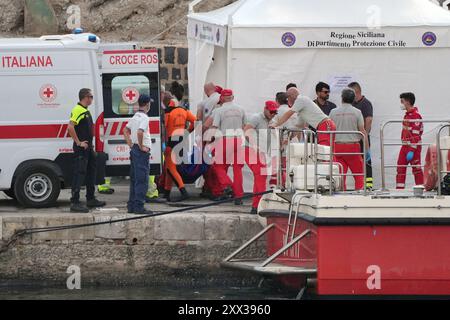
439 149
310 140
334 154
384 144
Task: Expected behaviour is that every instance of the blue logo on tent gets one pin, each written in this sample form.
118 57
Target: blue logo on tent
288 39
429 39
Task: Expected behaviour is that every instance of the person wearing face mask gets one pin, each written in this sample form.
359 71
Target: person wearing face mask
258 149
410 153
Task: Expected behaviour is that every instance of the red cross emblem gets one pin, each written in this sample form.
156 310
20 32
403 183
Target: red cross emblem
48 92
130 95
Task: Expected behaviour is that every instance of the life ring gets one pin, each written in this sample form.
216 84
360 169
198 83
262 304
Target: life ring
430 170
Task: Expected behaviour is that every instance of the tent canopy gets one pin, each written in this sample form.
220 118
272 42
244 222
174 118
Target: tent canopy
256 47
326 13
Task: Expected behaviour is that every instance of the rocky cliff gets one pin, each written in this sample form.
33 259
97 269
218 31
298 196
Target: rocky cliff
112 20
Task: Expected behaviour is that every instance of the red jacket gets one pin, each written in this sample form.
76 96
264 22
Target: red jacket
412 130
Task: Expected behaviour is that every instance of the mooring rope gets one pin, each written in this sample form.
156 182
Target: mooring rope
23 232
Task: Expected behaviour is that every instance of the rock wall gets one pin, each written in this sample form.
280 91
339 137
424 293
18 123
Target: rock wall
114 20
182 250
145 21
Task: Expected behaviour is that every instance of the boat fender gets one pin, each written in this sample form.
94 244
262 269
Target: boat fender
430 170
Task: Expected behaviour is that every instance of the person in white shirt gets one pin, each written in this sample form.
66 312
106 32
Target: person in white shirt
258 149
206 107
230 119
293 123
137 136
309 113
205 114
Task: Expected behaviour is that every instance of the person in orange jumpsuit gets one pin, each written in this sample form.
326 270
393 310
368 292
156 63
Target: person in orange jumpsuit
176 120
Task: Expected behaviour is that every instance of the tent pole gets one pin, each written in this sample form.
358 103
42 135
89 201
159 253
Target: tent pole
229 51
192 4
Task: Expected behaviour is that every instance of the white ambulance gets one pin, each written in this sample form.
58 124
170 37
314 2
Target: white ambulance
39 83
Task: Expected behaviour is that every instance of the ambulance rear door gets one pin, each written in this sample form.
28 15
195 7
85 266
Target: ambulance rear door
127 74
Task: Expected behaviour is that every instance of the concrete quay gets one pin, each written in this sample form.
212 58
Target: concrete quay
183 249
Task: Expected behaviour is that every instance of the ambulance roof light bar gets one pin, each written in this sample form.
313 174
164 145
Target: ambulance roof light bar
55 37
78 31
71 37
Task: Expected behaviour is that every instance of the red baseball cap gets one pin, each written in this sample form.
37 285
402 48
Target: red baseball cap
219 89
226 93
272 105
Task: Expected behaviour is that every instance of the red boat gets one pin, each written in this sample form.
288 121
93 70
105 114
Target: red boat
345 244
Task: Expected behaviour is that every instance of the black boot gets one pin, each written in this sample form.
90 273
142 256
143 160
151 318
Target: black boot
228 192
77 207
94 203
184 194
166 195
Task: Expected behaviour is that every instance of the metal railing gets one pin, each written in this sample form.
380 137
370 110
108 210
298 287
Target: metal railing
333 154
293 217
308 136
439 157
383 144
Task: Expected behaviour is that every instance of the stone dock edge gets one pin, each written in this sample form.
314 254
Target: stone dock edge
177 250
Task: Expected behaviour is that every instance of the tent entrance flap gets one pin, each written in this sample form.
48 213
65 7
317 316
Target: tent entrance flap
200 59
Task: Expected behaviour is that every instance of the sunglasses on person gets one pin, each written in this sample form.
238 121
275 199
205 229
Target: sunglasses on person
273 112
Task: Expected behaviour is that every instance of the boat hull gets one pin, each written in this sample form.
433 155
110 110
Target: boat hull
367 260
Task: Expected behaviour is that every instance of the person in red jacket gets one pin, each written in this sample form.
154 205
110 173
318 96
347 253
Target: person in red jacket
410 153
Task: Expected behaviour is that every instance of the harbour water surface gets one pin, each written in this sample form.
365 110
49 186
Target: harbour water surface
8 292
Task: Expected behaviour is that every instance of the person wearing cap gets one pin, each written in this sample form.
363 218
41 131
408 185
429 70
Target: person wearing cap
347 148
258 149
81 130
137 136
230 119
308 112
176 120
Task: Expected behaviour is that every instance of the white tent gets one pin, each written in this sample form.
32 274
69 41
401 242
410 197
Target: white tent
256 47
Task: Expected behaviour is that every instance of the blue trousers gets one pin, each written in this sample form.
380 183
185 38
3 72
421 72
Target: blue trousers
139 172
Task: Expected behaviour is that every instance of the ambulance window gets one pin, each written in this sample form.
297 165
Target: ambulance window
125 91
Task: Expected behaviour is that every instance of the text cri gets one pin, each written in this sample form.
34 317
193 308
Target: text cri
134 59
122 149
